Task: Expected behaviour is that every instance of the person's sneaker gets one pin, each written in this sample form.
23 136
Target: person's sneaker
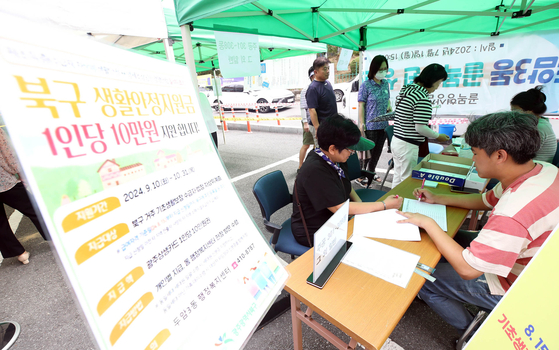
362 181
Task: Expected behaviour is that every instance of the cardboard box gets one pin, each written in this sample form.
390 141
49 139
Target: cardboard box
431 169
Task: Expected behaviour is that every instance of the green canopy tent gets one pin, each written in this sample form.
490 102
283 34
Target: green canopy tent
375 24
355 24
205 51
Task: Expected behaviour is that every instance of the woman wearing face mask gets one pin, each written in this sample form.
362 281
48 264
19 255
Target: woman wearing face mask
374 100
411 122
533 102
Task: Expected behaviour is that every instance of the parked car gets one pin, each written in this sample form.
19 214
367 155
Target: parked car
340 89
349 101
208 91
235 93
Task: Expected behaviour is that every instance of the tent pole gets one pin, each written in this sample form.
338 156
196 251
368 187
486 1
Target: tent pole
360 76
168 44
216 92
362 46
189 54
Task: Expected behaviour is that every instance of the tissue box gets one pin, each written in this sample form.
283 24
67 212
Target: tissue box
454 172
473 181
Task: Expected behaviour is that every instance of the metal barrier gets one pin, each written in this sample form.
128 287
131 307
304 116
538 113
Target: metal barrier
255 106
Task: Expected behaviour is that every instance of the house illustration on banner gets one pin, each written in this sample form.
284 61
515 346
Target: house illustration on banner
113 175
164 161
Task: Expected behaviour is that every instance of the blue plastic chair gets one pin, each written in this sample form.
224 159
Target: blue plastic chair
354 171
272 194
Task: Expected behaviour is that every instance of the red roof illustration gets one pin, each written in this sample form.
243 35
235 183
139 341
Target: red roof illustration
105 162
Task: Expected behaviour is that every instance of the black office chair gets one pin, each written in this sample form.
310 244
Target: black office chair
354 172
272 194
474 325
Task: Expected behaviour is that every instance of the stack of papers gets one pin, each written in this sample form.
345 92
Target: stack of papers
384 224
436 212
383 261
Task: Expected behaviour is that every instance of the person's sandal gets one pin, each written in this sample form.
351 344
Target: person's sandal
362 181
24 258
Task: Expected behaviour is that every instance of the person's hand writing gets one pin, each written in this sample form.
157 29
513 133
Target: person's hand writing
424 195
394 202
419 220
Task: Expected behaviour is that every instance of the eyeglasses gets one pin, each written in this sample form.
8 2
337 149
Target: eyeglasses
383 70
350 151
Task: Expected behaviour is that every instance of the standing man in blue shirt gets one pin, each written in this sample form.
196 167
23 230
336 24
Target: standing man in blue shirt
320 96
308 138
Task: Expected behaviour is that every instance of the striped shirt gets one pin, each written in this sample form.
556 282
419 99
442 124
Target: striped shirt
523 216
412 107
548 145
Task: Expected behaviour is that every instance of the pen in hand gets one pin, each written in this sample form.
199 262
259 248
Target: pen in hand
421 194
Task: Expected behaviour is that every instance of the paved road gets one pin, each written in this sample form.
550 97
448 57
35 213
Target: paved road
37 296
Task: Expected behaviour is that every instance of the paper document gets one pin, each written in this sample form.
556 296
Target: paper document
436 212
384 224
383 261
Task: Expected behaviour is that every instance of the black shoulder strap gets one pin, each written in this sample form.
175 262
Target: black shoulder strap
301 212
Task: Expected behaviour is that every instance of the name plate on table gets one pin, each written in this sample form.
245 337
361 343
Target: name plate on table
330 246
332 266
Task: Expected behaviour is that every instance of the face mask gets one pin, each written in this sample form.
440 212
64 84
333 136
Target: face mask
380 75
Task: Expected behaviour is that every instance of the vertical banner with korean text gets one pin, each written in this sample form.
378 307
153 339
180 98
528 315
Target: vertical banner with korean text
239 54
156 243
524 318
483 74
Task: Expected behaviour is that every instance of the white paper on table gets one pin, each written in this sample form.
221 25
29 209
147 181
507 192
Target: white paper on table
384 224
383 261
436 212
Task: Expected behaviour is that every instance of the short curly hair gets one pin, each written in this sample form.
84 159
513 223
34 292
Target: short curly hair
515 132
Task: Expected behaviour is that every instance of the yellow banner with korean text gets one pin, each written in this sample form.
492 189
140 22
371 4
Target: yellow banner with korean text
526 317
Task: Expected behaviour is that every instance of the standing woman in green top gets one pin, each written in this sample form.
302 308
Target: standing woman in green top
374 100
533 102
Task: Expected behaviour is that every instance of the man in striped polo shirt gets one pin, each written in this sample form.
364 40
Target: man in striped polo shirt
524 211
